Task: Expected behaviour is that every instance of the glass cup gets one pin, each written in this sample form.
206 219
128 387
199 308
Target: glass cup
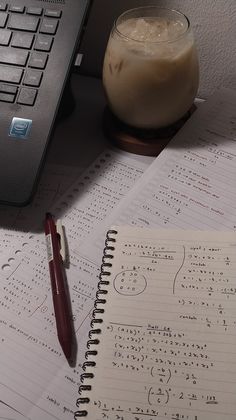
150 68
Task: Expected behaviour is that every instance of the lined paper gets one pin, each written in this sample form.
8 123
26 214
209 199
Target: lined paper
167 346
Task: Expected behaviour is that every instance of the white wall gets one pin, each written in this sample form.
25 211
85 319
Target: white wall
213 23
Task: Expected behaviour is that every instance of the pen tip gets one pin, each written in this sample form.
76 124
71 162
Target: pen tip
66 347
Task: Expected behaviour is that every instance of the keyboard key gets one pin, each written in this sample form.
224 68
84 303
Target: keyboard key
43 43
3 5
13 56
38 60
10 74
52 13
32 78
8 88
23 22
5 36
17 9
27 96
7 97
49 26
34 11
22 40
3 19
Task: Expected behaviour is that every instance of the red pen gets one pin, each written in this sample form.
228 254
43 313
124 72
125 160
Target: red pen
57 275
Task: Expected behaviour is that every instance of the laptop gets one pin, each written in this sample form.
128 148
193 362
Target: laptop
38 41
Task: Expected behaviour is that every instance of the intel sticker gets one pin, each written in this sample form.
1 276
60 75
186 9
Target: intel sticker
20 128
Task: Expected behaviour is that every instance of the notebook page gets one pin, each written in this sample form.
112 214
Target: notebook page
167 346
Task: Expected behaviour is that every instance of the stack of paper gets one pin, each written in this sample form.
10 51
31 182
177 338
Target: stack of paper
189 186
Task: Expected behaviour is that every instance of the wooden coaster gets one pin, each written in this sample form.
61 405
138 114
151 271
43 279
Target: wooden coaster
141 142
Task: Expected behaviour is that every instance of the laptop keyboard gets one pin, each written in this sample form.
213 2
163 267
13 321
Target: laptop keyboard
26 40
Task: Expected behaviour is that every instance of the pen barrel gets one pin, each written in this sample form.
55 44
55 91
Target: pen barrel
63 318
59 292
61 307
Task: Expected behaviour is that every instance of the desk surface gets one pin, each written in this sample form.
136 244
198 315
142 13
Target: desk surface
79 139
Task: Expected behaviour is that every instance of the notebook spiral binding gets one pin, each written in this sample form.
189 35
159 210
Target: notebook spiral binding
97 319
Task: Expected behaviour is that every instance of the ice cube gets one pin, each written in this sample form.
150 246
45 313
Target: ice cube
151 29
140 30
175 29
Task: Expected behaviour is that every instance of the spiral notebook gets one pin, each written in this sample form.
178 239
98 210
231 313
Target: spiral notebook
163 338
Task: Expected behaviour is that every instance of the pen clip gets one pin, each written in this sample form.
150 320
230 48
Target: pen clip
61 233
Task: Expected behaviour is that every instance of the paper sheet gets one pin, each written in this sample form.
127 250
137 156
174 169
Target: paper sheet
199 194
167 343
191 184
42 385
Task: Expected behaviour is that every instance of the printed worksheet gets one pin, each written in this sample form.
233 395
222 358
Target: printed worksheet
191 184
43 385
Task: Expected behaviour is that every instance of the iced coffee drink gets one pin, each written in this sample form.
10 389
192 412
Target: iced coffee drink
150 71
